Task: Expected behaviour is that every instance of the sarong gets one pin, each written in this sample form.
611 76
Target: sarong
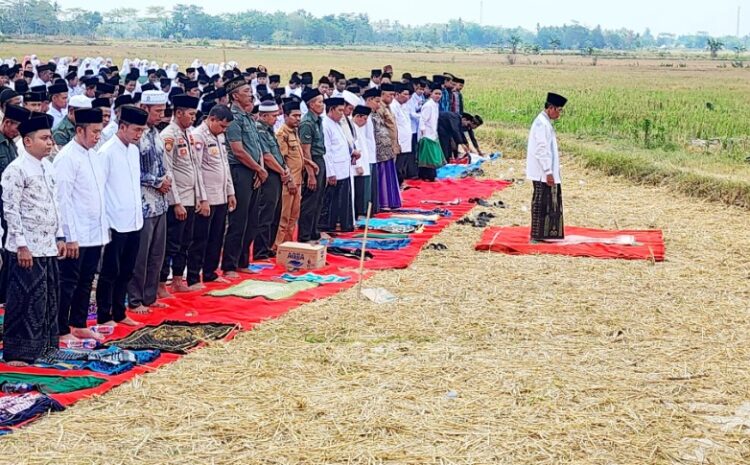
388 190
362 195
547 212
337 207
30 326
429 158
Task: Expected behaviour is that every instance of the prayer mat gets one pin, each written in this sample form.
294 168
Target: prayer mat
376 222
432 218
109 361
18 410
586 242
381 236
173 336
51 384
422 211
270 290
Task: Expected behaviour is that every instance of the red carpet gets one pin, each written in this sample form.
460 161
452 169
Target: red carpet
515 241
197 307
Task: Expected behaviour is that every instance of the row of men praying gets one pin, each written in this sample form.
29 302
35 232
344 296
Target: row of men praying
139 196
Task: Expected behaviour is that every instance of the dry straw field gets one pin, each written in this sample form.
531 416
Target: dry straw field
485 358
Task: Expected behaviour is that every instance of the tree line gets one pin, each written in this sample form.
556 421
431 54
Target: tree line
183 22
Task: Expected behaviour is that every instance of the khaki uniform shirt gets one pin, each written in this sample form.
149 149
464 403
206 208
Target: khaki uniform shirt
181 161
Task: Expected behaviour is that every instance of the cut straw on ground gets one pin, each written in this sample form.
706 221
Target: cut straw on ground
485 358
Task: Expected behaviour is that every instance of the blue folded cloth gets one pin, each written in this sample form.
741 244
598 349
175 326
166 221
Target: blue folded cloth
372 244
315 278
380 222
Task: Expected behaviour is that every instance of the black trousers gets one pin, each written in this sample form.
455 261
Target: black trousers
403 163
76 278
205 248
117 270
243 221
375 188
412 168
269 212
427 174
179 235
446 143
338 209
312 204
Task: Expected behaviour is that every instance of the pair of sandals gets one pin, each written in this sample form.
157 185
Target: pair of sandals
473 173
482 220
486 204
436 246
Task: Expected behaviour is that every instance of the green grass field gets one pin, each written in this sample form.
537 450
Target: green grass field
657 120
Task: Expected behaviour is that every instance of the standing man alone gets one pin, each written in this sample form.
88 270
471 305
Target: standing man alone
543 169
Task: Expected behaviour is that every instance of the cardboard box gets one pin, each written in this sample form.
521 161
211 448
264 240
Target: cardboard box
300 256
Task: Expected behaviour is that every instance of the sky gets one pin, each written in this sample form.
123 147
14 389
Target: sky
717 17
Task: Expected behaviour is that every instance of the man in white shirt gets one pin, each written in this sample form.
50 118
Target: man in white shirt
337 203
294 87
414 108
43 75
375 76
110 129
34 243
74 87
403 125
58 108
430 155
80 176
124 208
362 169
543 169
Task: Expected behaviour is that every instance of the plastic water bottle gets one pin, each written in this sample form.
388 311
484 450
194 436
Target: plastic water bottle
87 344
104 330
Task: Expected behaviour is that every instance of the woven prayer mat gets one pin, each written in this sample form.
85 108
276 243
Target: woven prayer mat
173 336
270 290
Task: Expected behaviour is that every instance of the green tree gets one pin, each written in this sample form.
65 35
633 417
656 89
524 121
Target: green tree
555 44
714 45
514 41
91 20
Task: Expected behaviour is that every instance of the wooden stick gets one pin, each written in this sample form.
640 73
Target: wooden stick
364 246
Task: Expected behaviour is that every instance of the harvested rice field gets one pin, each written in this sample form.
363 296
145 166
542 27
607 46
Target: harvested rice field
485 358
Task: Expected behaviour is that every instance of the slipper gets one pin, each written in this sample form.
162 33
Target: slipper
480 202
350 253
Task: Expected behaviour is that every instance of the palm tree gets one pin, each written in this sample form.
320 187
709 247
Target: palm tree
714 45
739 50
